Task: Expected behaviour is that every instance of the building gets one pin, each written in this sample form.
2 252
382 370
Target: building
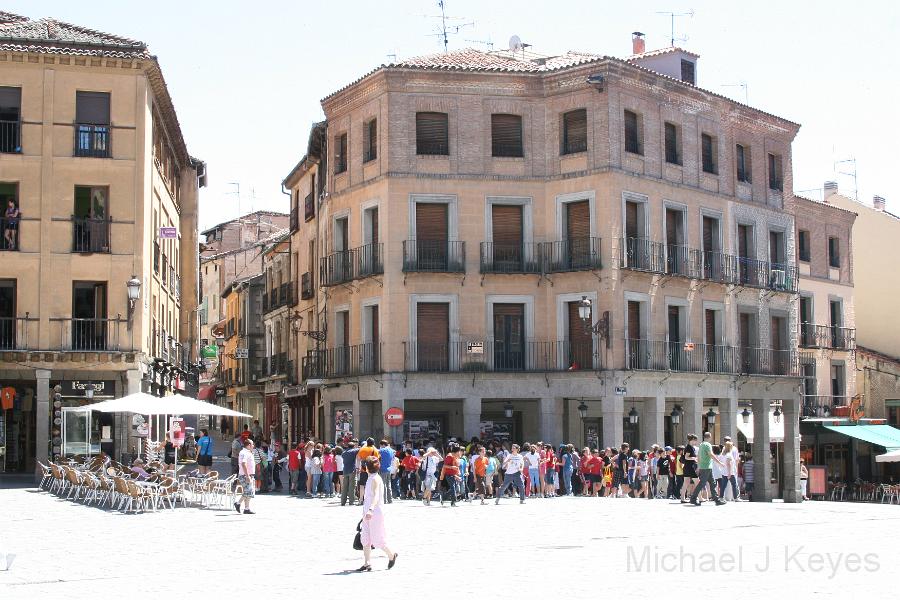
98 280
242 353
569 248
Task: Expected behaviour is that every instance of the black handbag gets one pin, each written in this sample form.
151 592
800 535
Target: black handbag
357 539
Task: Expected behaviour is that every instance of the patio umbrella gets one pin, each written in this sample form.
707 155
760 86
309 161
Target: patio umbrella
889 456
145 404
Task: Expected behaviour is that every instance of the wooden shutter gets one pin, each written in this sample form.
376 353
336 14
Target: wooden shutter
634 320
631 219
776 333
580 341
578 220
507 224
433 323
709 239
511 310
632 144
672 217
674 322
374 225
743 238
432 133
710 326
575 131
506 135
706 145
92 107
371 140
344 316
431 222
744 322
671 143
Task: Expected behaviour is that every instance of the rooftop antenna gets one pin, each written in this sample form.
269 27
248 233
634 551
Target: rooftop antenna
743 85
517 45
445 29
237 191
393 56
672 17
486 42
850 173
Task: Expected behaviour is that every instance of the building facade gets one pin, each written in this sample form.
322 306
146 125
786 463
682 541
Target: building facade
242 352
98 266
574 248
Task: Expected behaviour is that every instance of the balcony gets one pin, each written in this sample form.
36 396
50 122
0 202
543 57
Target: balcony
827 336
10 226
156 255
343 361
641 254
576 254
651 355
306 286
779 277
295 218
10 137
500 357
821 406
506 258
277 364
91 235
426 256
312 366
309 207
92 140
348 265
93 335
14 333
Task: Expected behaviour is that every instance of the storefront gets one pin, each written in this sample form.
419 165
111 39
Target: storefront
18 426
849 451
76 429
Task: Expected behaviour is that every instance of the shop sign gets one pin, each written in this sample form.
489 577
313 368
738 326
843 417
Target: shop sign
176 430
168 233
292 391
241 353
220 392
689 346
77 387
621 390
343 426
211 351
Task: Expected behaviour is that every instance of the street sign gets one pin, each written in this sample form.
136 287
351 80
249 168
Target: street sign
620 390
394 416
475 347
209 351
241 353
168 233
177 432
689 346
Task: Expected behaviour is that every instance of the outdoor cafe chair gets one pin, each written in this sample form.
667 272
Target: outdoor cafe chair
46 474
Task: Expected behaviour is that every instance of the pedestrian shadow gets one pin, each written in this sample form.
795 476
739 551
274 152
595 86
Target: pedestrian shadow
346 572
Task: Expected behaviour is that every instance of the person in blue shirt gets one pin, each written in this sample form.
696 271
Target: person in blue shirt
464 475
204 451
568 468
385 458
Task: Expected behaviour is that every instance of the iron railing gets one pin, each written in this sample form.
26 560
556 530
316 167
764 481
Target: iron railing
499 257
91 235
306 286
641 254
14 333
500 356
827 336
348 265
92 140
11 137
295 218
9 233
343 361
573 254
434 256
716 266
278 364
93 335
309 207
821 406
312 366
659 355
683 261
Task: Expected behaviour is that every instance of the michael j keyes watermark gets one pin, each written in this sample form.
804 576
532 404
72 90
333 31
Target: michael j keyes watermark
750 559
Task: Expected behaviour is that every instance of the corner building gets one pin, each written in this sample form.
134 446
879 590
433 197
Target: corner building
478 206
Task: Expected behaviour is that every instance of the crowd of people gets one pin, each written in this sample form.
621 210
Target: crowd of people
481 470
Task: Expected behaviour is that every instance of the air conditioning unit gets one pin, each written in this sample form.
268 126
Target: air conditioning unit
778 279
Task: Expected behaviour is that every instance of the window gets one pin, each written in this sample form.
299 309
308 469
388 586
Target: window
370 140
9 224
506 135
803 245
742 160
10 113
574 131
688 72
708 153
92 124
632 133
340 153
673 144
432 134
90 222
834 254
775 174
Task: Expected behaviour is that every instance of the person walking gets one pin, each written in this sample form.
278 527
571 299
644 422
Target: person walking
804 479
533 461
749 476
730 470
385 461
204 452
512 476
450 473
236 447
348 477
429 480
704 461
480 467
247 477
662 473
689 467
328 468
373 528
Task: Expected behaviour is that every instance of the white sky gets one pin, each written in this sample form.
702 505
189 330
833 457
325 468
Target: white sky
247 77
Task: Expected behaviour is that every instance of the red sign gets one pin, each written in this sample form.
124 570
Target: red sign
177 431
394 416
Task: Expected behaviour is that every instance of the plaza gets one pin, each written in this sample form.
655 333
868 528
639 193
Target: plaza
574 546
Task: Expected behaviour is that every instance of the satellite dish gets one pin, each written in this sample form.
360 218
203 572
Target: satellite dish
515 44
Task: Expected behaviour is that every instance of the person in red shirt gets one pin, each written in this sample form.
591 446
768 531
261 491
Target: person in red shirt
450 473
596 472
410 465
549 464
295 457
480 467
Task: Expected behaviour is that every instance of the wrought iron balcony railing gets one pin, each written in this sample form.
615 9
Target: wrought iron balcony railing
421 256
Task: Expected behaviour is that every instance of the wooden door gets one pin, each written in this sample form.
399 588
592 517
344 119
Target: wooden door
509 337
581 346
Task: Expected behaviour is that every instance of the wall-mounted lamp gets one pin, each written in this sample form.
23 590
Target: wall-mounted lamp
745 415
134 293
508 410
582 409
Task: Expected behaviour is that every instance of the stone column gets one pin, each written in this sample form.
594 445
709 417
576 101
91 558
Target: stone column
472 417
762 459
653 426
551 421
44 410
728 411
356 415
613 408
692 421
791 418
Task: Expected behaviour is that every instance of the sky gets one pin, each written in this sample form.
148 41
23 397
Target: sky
247 77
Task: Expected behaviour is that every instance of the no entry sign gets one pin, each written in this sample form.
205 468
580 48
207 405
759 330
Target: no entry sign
394 416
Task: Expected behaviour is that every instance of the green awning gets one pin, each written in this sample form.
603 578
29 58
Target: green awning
882 435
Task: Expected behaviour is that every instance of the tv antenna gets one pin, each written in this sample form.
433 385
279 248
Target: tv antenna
850 172
448 29
743 85
486 42
672 17
517 45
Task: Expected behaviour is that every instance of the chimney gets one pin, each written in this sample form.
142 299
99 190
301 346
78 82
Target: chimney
829 188
878 203
637 43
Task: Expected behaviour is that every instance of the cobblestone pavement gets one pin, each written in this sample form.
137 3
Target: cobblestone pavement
544 547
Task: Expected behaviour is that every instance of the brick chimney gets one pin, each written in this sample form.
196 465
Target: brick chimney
878 203
829 188
638 46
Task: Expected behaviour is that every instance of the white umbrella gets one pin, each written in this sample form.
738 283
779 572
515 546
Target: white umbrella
889 456
145 404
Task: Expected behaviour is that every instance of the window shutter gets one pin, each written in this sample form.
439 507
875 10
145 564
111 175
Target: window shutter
631 220
671 143
507 224
688 72
632 143
371 140
634 320
575 131
672 227
580 341
706 143
744 321
10 99
709 240
374 212
433 331
431 222
710 318
432 133
92 107
578 220
506 135
374 324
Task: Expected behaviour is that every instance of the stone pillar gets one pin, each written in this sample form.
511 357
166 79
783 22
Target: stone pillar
762 459
728 415
613 408
653 426
791 418
551 421
44 410
692 421
471 417
356 415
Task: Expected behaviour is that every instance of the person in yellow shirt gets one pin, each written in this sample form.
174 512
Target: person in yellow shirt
365 452
679 472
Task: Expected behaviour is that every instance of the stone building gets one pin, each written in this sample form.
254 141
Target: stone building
98 272
570 248
242 353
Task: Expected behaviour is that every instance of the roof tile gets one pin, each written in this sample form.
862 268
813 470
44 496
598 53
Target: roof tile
49 36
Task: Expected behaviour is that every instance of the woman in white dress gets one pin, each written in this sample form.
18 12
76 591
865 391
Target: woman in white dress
373 533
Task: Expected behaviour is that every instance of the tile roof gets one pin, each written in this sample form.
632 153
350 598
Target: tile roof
49 36
470 59
660 52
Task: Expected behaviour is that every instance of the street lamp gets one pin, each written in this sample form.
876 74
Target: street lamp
508 410
584 309
134 292
633 416
745 415
675 415
711 416
777 414
601 327
582 409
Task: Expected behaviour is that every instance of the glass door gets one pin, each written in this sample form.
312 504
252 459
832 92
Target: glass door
76 431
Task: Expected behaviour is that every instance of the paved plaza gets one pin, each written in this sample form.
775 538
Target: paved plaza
568 545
